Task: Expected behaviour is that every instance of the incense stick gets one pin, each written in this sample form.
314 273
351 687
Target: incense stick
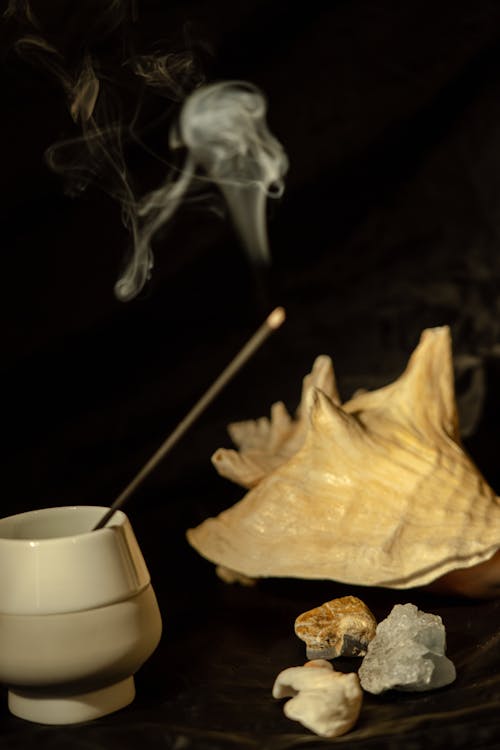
272 322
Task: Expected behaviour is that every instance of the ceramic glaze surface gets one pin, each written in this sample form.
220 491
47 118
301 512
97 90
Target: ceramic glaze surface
78 615
67 567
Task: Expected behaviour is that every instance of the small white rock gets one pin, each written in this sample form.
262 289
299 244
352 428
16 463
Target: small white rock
322 700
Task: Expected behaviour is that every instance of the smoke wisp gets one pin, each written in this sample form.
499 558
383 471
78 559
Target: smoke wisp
222 127
218 135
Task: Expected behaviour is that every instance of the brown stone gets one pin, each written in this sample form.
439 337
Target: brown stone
340 627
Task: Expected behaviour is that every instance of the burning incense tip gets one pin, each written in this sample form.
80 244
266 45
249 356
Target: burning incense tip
276 318
271 323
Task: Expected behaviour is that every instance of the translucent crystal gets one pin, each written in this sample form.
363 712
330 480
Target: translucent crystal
407 653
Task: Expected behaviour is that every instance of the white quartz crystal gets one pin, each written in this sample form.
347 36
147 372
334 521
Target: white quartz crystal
407 653
322 700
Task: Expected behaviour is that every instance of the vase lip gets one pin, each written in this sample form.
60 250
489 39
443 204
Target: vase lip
91 512
54 562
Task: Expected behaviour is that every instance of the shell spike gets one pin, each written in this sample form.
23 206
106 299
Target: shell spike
428 382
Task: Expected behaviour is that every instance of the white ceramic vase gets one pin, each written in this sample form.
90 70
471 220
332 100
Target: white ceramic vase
78 615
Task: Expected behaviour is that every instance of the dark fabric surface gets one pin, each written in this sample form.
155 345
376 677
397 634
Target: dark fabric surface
389 113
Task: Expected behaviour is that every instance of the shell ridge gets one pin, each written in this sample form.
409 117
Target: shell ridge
378 491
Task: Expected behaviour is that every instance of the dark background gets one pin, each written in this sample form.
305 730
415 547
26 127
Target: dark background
390 116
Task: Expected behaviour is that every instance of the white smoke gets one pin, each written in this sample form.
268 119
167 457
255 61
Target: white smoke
222 126
221 129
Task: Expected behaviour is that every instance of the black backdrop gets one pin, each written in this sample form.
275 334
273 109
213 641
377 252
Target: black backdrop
390 223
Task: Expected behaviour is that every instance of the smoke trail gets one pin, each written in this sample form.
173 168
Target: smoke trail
164 72
222 126
221 129
96 153
81 89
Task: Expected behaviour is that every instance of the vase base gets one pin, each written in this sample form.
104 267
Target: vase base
71 709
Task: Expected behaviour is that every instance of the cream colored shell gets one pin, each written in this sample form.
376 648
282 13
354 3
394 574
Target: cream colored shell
378 491
264 444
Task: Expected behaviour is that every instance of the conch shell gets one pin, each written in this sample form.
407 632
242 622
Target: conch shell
377 491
